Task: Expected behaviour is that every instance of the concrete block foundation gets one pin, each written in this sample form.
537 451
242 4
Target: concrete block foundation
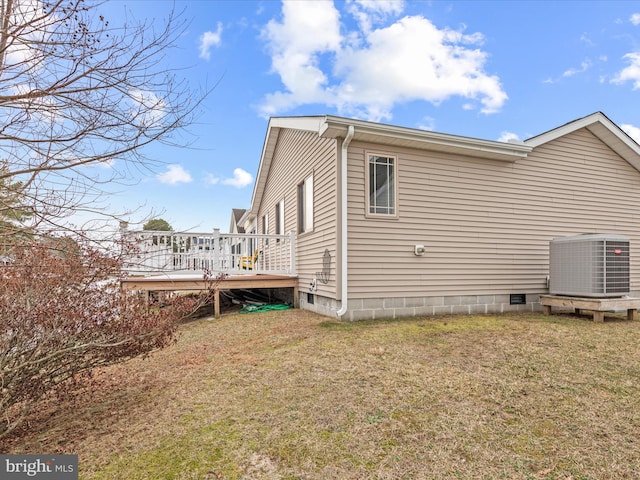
402 307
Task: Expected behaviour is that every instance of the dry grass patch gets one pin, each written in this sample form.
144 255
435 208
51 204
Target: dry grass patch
294 395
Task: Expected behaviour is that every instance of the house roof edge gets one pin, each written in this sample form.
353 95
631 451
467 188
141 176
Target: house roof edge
603 128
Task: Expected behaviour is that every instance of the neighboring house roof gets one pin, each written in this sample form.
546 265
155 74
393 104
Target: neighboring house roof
235 225
328 126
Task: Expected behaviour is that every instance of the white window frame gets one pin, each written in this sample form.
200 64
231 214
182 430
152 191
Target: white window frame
376 211
305 205
280 217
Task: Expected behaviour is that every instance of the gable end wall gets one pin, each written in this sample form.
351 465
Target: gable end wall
297 155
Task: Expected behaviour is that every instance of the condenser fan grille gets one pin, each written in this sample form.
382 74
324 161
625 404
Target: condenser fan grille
590 265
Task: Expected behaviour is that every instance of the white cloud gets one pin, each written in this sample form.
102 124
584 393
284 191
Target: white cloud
241 179
428 123
211 179
369 12
584 66
570 72
633 132
308 29
635 19
210 39
175 174
508 136
630 73
374 68
584 38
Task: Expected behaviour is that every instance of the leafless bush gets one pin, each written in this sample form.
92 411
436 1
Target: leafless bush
62 313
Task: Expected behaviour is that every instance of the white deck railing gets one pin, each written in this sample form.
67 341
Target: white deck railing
155 252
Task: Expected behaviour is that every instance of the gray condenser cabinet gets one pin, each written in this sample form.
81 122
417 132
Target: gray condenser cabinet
589 265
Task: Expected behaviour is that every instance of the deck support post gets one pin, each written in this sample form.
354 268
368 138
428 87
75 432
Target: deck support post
296 299
216 302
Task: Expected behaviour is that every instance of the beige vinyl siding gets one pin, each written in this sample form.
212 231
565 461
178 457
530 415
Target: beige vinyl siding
486 224
298 155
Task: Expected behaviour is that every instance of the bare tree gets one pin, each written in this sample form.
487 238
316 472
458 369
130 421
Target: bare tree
77 91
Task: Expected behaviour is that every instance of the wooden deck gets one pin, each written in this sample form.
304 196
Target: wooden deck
596 305
180 282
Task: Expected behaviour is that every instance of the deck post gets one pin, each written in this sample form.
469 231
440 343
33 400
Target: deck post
292 252
216 302
216 252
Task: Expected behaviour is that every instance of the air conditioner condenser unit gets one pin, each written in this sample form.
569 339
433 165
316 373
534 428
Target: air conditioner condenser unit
589 265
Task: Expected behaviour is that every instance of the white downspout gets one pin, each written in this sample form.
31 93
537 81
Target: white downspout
343 222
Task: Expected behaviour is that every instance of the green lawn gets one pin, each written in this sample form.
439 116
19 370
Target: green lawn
288 395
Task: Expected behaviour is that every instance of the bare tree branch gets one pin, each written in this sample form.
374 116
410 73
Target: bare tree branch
62 313
77 92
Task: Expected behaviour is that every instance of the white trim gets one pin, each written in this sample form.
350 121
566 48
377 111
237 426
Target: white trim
308 204
367 177
337 127
344 299
280 217
603 128
304 205
391 135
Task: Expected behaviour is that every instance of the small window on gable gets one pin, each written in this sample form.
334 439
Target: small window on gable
265 224
305 205
280 218
381 184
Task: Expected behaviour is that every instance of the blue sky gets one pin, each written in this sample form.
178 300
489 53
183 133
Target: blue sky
491 70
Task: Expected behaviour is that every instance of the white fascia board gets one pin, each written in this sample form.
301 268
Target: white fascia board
268 148
311 124
603 128
401 136
567 128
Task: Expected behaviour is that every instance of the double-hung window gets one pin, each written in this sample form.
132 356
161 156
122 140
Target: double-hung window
305 205
381 184
280 218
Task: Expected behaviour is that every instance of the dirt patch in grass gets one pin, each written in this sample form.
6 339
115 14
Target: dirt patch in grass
295 395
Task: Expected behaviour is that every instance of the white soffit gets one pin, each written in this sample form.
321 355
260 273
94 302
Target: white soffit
392 136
